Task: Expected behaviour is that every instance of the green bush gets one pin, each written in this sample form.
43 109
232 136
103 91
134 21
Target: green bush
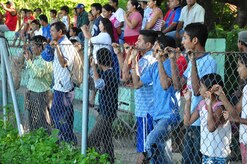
39 147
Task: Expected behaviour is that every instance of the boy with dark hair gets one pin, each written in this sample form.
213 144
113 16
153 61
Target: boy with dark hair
107 83
143 95
201 63
45 27
96 10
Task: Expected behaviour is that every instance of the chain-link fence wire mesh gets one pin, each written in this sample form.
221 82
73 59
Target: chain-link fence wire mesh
112 120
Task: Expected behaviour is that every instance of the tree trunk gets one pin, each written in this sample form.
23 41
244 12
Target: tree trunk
242 13
209 15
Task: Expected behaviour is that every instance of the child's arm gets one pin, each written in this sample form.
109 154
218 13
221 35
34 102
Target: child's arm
68 20
126 69
194 75
217 89
237 119
117 51
98 82
165 80
214 119
189 118
175 72
85 31
135 71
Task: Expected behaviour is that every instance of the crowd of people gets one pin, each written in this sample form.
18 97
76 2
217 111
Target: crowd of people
167 79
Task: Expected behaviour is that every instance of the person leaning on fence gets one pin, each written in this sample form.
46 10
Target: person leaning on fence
201 63
165 109
215 130
39 81
143 95
237 114
61 52
106 82
10 16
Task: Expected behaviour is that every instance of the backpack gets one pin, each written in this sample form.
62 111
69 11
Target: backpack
76 74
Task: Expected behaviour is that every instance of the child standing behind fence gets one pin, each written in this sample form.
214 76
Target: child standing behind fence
107 83
215 130
233 114
39 82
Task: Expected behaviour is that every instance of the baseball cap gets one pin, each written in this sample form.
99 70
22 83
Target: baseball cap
242 36
80 5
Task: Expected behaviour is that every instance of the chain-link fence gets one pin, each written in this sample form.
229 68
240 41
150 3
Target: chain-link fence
119 123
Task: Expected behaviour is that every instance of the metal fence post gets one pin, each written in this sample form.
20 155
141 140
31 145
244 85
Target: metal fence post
85 100
4 90
5 53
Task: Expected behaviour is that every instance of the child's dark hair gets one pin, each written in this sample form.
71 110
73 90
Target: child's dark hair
243 58
211 79
76 30
108 8
53 11
36 21
39 40
115 1
158 2
108 27
65 8
165 41
43 18
97 6
104 57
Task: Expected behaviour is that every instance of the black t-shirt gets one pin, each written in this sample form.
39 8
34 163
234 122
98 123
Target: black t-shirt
108 96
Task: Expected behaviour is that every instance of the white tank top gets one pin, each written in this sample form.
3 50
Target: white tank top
217 143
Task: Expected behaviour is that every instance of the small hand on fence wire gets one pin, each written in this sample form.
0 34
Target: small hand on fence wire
187 94
208 98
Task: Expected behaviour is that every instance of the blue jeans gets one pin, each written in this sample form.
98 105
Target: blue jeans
173 33
156 141
62 114
191 152
214 160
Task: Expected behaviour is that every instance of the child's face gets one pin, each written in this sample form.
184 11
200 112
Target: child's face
90 17
106 13
29 14
202 89
34 26
52 15
187 43
63 12
71 32
242 70
94 11
101 26
36 50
